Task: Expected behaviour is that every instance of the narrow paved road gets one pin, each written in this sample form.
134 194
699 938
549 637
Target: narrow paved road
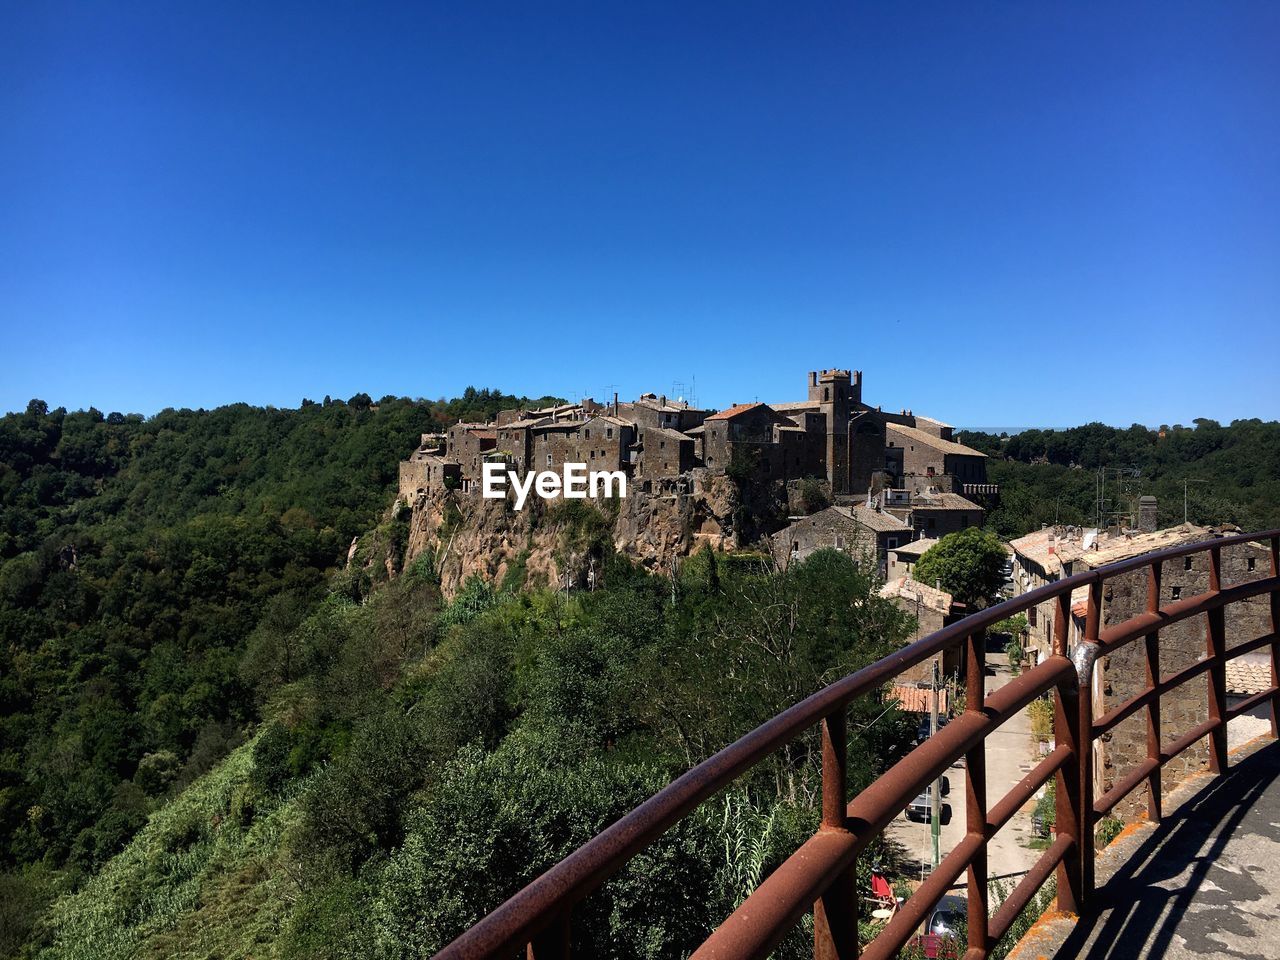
1010 757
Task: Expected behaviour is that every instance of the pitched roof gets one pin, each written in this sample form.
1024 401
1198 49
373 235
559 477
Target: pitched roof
667 433
937 443
873 519
1249 674
738 410
942 501
905 588
798 407
916 548
918 699
1121 547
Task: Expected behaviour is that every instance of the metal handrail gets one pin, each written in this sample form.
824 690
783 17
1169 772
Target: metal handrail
820 873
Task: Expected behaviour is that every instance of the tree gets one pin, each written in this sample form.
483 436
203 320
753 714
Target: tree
967 564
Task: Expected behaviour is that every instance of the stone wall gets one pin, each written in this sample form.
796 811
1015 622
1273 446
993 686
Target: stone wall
1123 674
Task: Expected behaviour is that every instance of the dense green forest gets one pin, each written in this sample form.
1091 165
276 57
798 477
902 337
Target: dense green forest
217 739
1054 476
137 559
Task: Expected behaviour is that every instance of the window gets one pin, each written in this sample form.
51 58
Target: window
662 444
593 454
1249 564
548 459
608 434
891 543
587 434
1186 563
1176 593
826 394
929 470
839 542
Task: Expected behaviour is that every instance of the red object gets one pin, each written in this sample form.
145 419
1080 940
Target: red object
880 888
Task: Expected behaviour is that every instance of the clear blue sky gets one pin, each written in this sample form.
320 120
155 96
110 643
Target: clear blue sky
1002 213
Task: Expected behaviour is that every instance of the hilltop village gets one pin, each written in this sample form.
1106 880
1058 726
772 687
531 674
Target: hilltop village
884 480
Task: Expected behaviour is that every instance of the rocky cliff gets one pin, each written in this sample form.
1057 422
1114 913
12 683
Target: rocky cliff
655 524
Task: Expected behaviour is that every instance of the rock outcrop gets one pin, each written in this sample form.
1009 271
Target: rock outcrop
655 524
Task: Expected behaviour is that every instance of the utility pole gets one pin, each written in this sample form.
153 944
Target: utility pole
935 801
1185 481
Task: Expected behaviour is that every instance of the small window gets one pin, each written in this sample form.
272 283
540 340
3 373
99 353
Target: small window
1186 563
662 444
1031 616
1176 593
608 434
548 459
1249 564
593 454
893 542
587 434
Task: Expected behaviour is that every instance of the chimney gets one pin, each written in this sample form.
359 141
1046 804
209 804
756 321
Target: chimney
1147 522
615 403
813 378
662 400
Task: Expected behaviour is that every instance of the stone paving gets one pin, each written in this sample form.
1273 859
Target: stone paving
1204 883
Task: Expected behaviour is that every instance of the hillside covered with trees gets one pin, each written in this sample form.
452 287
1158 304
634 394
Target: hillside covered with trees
1053 476
137 559
217 738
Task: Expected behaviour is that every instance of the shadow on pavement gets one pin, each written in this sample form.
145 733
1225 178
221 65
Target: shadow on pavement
1137 912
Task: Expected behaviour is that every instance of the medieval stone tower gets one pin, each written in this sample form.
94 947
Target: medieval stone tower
838 394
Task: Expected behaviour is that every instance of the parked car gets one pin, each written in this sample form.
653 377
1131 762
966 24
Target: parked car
922 730
948 917
918 809
941 939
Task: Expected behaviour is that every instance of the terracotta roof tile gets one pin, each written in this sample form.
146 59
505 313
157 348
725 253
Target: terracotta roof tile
732 412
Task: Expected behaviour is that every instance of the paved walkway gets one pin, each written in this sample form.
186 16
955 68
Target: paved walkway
1204 883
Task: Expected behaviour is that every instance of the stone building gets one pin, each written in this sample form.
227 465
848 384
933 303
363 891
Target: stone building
1122 675
920 448
903 559
663 452
859 531
467 443
425 474
831 436
936 514
932 609
1056 552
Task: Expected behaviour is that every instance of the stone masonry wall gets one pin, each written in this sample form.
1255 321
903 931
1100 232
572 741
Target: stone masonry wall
1123 674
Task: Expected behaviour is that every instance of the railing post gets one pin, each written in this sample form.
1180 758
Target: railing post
835 914
976 794
552 943
1152 641
1216 644
1066 732
1092 627
1275 642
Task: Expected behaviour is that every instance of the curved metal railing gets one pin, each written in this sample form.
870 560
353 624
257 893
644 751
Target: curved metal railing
820 874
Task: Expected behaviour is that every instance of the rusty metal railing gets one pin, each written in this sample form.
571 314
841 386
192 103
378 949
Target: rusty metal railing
820 874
